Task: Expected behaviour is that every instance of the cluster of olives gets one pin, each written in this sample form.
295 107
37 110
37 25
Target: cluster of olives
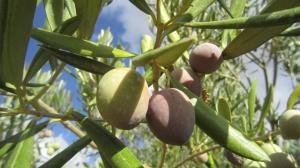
123 99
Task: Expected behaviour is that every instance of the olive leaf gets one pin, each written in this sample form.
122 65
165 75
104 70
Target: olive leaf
68 27
110 147
80 62
54 12
166 55
251 38
64 156
225 7
224 109
22 155
267 107
251 102
147 43
293 31
294 97
143 6
220 130
278 18
16 19
74 45
88 11
7 87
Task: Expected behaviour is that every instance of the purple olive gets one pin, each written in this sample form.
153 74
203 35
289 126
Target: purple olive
171 116
189 79
205 58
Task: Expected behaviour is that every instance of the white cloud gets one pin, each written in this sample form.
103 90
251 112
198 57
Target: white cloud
134 21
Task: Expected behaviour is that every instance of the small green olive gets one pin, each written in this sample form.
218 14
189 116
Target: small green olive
289 124
122 98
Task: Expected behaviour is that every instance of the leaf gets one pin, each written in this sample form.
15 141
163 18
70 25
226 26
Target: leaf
68 27
80 62
22 155
143 6
74 45
252 38
10 142
16 22
54 12
88 11
266 109
224 109
166 55
63 157
225 7
7 87
251 102
294 97
283 17
147 43
294 31
111 148
220 130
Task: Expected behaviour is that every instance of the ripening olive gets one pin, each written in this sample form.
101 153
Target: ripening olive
189 79
289 124
171 116
205 58
122 98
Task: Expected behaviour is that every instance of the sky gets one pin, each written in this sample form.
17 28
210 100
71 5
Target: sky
128 25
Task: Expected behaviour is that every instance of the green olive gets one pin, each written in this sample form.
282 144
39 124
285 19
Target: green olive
289 124
122 98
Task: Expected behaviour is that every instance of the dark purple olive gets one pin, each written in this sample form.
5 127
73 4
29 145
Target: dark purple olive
189 79
205 58
171 116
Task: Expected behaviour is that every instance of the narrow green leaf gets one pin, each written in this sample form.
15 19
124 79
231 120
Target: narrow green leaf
147 43
9 143
54 12
80 62
251 38
89 11
279 18
225 7
68 27
7 87
63 157
294 97
224 109
266 109
22 155
74 45
143 6
16 23
112 149
220 130
166 55
251 102
294 31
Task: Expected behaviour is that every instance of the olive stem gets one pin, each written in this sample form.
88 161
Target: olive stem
190 157
163 155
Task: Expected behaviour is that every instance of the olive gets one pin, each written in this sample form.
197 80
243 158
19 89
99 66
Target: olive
289 124
205 58
189 79
171 116
122 98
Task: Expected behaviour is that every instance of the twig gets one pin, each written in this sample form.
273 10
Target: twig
267 136
163 155
196 154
